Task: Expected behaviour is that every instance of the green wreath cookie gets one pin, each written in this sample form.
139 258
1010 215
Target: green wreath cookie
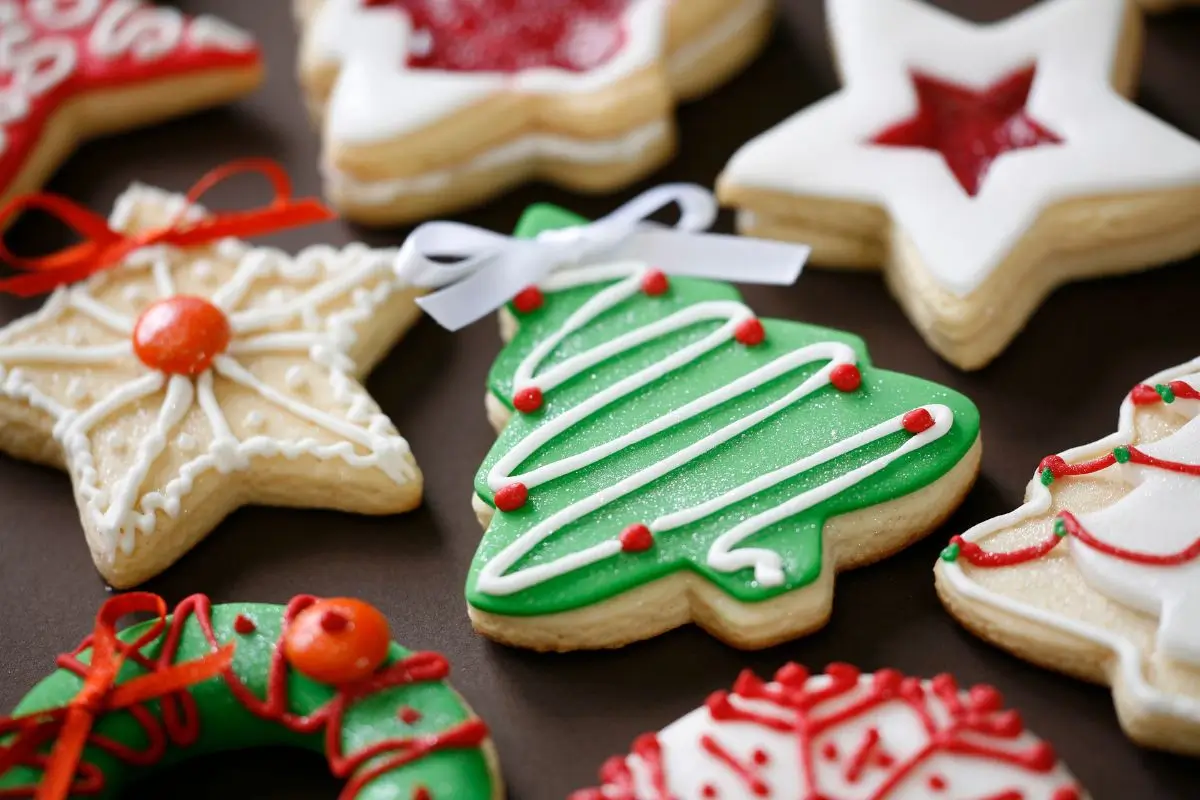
319 674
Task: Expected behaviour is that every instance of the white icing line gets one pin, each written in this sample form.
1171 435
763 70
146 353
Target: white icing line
58 354
1038 502
495 579
280 342
110 318
622 150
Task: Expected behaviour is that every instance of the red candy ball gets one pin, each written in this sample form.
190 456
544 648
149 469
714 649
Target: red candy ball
512 497
655 283
917 421
528 400
636 538
337 641
528 300
750 332
181 335
845 377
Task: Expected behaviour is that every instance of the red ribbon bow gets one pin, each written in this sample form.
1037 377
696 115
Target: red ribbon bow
103 247
72 724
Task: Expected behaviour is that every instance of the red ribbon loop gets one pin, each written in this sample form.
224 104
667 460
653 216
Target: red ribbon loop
71 726
103 248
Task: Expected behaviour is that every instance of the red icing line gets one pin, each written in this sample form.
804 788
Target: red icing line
512 35
958 729
970 128
179 725
977 556
93 73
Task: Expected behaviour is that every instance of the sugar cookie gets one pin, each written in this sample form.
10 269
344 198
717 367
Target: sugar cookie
319 674
177 384
1098 573
980 166
841 735
71 71
429 107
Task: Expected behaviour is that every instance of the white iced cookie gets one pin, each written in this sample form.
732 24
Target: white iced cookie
979 166
174 394
431 106
841 735
1098 574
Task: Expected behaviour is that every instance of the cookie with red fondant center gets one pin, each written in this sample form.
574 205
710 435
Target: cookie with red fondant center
430 106
980 166
845 735
72 70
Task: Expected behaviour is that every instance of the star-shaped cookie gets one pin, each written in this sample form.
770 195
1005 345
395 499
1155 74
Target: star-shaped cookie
76 69
980 166
431 106
181 384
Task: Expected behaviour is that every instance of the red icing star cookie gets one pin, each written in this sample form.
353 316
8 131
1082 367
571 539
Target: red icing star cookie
979 166
73 69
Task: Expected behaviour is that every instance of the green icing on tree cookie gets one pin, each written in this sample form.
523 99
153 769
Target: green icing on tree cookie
404 702
541 555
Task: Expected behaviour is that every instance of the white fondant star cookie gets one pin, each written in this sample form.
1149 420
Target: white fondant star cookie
183 383
979 165
1098 573
430 106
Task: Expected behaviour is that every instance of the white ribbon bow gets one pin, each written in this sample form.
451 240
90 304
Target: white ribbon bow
480 270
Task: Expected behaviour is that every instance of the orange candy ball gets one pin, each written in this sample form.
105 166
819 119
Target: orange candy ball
338 641
181 335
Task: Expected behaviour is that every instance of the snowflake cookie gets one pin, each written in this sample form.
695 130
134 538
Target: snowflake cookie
71 69
183 383
666 456
430 106
980 166
1098 573
841 736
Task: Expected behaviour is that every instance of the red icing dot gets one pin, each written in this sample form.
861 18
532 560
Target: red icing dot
917 421
1042 757
409 715
791 674
243 625
1066 793
528 400
180 335
528 300
845 377
970 128
937 783
986 698
1144 395
761 757
750 332
421 793
655 283
636 538
512 497
709 790
884 760
511 35
829 751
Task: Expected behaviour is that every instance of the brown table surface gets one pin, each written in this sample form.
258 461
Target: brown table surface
555 718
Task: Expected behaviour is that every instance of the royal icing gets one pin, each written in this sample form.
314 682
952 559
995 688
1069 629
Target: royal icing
841 735
965 133
53 52
639 399
178 355
1141 551
400 730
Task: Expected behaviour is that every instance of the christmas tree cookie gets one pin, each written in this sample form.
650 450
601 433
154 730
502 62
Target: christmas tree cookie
1098 573
842 735
320 675
185 373
666 456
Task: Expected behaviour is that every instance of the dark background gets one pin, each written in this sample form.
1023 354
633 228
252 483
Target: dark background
555 718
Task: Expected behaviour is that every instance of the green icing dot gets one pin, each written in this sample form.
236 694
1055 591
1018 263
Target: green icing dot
1060 528
1164 391
950 553
1047 477
1121 454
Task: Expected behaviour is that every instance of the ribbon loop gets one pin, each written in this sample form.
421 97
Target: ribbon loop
103 248
476 271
